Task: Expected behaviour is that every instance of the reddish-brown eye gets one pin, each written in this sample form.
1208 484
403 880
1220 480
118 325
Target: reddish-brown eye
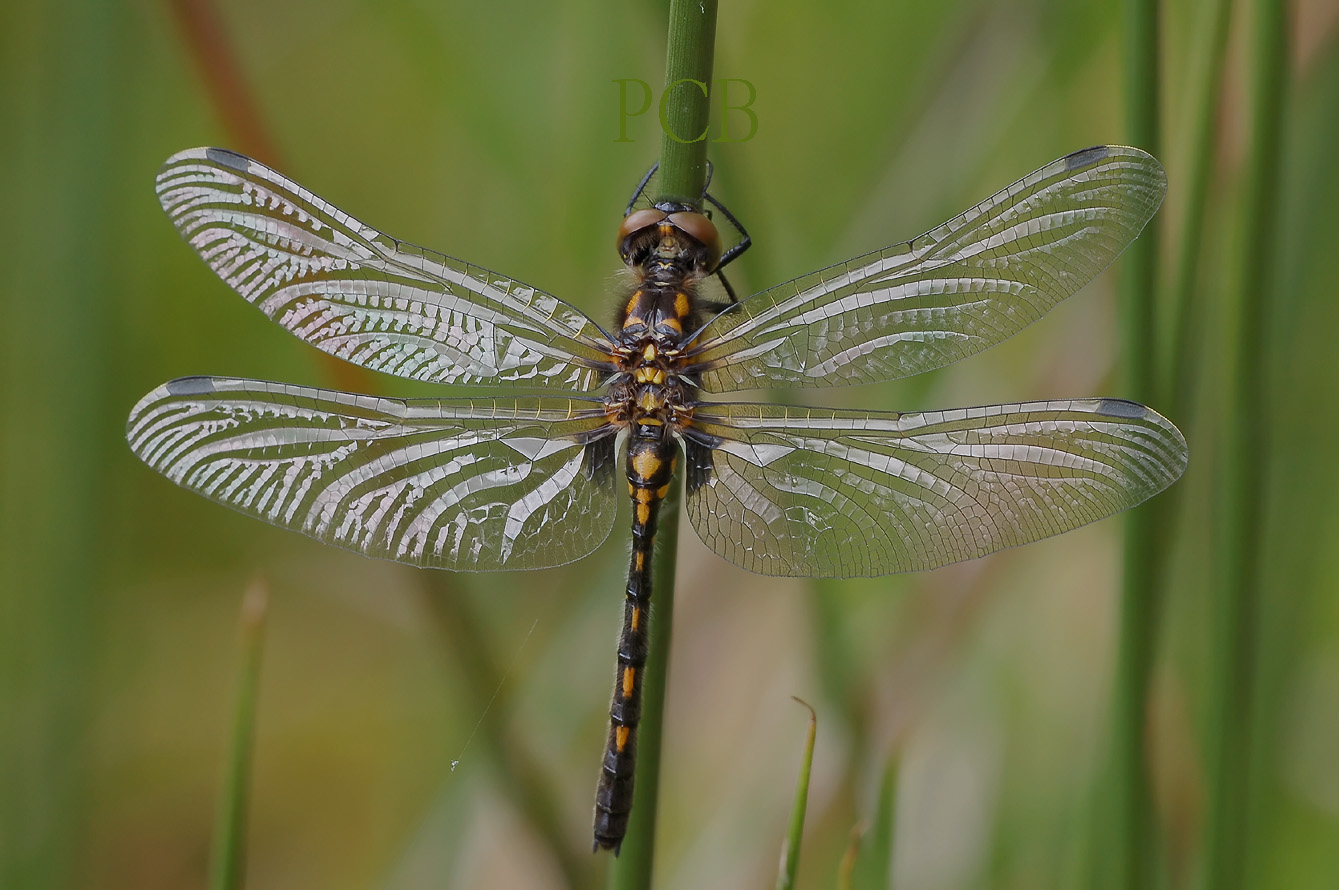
636 221
703 231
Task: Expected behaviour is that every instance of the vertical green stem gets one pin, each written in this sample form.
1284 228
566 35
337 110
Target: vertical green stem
1246 458
686 107
871 867
227 867
790 848
683 172
59 110
1134 861
1185 334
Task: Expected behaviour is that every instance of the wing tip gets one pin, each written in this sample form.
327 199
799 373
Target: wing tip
168 176
182 386
1085 157
1088 157
1176 452
190 386
222 157
1122 408
227 158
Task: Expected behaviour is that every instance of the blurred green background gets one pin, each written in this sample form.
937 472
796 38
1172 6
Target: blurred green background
488 131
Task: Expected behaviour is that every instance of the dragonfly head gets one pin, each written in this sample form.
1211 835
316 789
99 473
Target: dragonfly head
670 232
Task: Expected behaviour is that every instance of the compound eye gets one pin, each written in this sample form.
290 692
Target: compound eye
701 229
635 222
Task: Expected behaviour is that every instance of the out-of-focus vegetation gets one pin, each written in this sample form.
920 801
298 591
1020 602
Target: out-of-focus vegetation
488 131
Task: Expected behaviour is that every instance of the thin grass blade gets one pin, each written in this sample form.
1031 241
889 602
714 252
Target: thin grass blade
227 867
790 850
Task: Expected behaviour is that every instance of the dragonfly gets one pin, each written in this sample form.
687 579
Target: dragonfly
526 478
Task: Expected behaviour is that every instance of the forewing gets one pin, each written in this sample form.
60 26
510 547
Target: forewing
838 494
465 484
971 283
361 295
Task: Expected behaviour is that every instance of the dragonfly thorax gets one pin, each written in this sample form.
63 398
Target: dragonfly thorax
660 310
650 408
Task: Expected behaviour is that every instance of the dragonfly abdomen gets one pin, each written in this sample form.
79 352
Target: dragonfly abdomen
651 462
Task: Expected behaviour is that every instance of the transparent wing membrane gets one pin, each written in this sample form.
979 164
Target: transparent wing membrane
971 283
466 484
822 493
480 484
361 295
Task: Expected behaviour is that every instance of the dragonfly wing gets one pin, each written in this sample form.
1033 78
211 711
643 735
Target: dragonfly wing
971 283
465 484
363 296
823 493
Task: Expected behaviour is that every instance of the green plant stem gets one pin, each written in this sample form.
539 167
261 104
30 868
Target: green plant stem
1185 334
683 173
227 867
873 867
790 851
57 356
1246 458
687 106
1133 860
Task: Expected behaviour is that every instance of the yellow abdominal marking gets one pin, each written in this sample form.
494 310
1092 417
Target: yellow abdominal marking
662 492
641 564
629 680
643 514
621 738
636 610
645 464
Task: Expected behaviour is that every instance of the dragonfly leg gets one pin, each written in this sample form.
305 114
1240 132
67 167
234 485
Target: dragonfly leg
641 187
744 243
725 282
